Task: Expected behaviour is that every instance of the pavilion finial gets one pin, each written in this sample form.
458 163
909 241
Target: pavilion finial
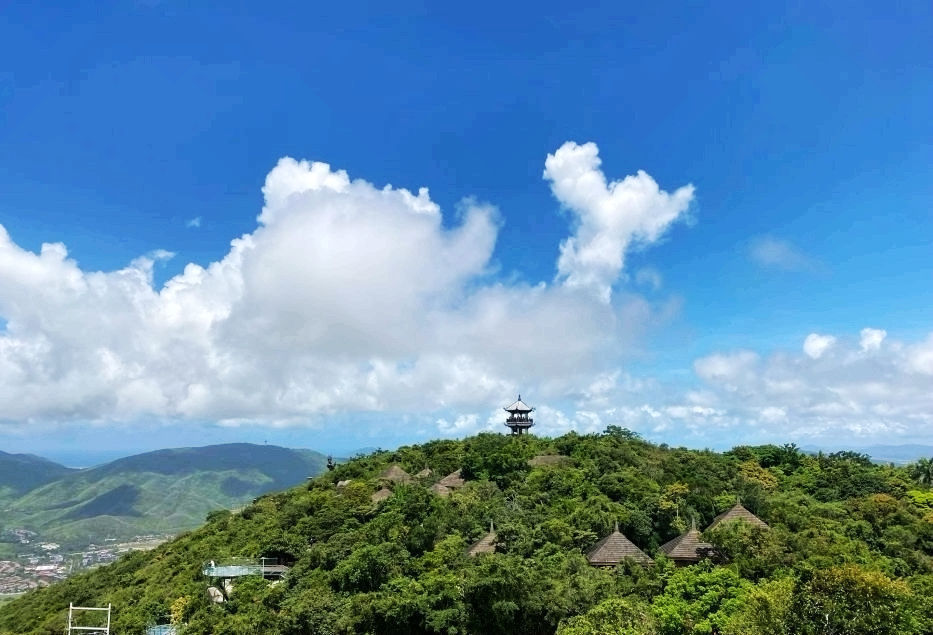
617 526
491 527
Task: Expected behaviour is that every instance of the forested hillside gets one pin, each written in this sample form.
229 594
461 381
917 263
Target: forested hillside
161 492
20 473
849 548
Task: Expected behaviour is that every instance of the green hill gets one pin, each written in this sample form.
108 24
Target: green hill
20 473
848 547
160 492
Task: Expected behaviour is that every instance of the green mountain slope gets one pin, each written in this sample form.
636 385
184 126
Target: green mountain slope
160 492
20 473
849 549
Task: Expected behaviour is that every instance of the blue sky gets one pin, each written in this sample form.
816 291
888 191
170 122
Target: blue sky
129 129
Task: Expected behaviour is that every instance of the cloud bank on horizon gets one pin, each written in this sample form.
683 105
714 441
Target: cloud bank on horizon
349 297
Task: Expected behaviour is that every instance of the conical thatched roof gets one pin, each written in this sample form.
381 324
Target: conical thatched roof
737 513
452 480
440 490
685 547
396 475
615 548
486 544
381 495
426 472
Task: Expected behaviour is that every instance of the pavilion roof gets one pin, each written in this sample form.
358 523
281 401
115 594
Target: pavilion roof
426 472
486 544
452 480
381 495
615 548
685 547
737 513
519 406
396 475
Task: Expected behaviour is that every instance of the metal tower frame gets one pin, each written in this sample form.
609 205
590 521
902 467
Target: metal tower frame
98 630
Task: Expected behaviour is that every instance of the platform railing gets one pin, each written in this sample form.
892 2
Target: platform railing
237 567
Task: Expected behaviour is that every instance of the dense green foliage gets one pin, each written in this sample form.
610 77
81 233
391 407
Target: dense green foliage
850 549
160 492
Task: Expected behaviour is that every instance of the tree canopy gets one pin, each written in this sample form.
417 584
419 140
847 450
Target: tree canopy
849 549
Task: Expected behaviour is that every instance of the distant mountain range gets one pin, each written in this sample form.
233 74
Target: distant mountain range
899 454
161 492
20 473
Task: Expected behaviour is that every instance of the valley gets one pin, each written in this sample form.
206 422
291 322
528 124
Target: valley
56 521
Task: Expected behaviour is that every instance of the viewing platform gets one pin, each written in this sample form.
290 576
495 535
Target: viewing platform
239 567
521 422
519 419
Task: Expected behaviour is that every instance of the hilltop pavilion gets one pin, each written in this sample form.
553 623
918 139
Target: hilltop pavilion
519 419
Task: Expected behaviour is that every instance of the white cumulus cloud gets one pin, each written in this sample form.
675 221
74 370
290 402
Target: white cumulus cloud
815 344
611 216
347 297
920 356
876 397
871 339
847 399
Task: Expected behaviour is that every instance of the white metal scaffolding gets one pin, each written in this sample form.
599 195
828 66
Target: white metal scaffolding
75 611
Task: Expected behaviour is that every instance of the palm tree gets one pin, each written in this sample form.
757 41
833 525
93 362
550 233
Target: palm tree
922 471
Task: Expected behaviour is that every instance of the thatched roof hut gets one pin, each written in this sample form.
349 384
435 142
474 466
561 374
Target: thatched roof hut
486 544
396 474
737 513
613 549
441 490
686 548
425 473
452 480
381 495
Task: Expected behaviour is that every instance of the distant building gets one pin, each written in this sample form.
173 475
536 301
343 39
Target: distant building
395 474
614 549
519 419
453 480
737 513
486 544
441 490
381 495
687 548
